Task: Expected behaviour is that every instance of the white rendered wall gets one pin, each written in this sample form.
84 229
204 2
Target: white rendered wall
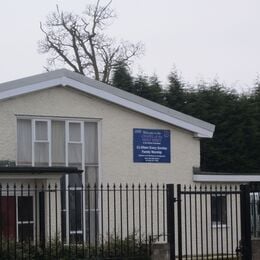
116 135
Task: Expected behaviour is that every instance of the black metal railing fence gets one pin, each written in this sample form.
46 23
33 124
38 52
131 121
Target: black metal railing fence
106 221
124 221
208 220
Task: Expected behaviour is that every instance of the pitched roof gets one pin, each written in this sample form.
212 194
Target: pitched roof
64 77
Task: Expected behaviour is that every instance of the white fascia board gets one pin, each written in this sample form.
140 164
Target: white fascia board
31 88
64 81
226 178
199 132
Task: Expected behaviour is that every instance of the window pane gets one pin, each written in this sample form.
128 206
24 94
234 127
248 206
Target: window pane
25 208
58 143
24 142
63 191
25 232
224 210
74 132
91 173
75 154
41 154
219 209
91 198
75 204
75 180
214 216
41 130
91 143
91 190
63 225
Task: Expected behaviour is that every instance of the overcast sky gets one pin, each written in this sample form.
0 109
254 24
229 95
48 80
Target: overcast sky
203 39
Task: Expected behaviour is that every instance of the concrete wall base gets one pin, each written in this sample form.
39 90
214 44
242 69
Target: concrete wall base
160 251
255 249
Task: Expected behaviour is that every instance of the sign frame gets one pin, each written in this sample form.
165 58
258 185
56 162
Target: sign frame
151 145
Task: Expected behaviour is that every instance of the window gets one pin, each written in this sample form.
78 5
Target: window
57 142
219 210
75 144
25 218
91 170
75 152
75 205
60 142
24 142
91 143
41 142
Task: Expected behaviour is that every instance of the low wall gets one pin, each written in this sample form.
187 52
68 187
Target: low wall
160 251
255 249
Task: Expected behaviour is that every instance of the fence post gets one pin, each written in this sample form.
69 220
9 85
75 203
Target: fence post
179 221
246 249
170 219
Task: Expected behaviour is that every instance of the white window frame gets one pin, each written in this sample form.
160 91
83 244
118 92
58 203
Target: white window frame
67 141
68 120
81 131
81 142
48 141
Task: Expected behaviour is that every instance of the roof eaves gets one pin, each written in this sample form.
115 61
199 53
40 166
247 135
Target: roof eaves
200 128
65 77
137 99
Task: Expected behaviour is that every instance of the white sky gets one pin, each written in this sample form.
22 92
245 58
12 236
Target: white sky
204 39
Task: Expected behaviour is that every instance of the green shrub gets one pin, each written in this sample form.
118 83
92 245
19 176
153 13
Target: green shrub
114 247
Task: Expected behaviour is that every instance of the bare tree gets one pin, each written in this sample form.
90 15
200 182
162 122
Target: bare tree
80 42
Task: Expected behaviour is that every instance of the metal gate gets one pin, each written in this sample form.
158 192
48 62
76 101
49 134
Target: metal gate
209 222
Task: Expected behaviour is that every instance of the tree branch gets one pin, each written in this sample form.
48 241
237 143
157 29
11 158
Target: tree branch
79 42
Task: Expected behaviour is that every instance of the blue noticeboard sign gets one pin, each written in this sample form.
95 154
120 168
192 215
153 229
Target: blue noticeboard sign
152 145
